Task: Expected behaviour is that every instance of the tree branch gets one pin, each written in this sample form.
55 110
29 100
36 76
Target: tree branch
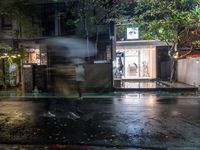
186 54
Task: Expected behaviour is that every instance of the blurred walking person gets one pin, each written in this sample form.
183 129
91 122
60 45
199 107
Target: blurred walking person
80 76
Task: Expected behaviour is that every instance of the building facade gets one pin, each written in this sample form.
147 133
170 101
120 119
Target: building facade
53 19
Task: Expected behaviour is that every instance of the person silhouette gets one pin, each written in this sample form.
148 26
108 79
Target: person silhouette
80 75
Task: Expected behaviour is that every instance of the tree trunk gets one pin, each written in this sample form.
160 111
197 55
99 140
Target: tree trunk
174 61
173 71
172 53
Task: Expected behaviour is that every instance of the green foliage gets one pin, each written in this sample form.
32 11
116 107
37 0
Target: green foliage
166 18
11 56
121 32
196 12
145 35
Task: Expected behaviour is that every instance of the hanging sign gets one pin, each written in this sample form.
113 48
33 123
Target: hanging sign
132 33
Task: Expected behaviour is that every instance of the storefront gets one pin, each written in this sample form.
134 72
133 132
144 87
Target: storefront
34 71
134 61
137 62
34 53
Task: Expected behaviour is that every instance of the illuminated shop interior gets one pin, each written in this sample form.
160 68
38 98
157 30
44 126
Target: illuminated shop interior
34 54
137 62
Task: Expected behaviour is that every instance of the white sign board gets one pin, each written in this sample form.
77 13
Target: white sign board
26 66
132 33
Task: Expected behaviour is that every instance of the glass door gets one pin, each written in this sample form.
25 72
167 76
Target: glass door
144 63
132 64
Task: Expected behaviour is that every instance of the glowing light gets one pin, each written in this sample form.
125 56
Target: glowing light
13 56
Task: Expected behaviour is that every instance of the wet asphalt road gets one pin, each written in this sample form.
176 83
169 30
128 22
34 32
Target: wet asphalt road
130 121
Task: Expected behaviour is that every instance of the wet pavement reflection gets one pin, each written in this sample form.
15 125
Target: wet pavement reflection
130 120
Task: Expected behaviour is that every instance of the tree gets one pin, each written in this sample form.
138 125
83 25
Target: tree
91 13
9 56
20 11
172 21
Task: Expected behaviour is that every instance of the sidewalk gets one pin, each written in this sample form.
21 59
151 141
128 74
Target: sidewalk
153 86
177 85
121 93
161 88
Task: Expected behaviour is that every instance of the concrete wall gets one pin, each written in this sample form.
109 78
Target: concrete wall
189 71
98 77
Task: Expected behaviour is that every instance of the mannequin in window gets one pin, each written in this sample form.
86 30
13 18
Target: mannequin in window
132 69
